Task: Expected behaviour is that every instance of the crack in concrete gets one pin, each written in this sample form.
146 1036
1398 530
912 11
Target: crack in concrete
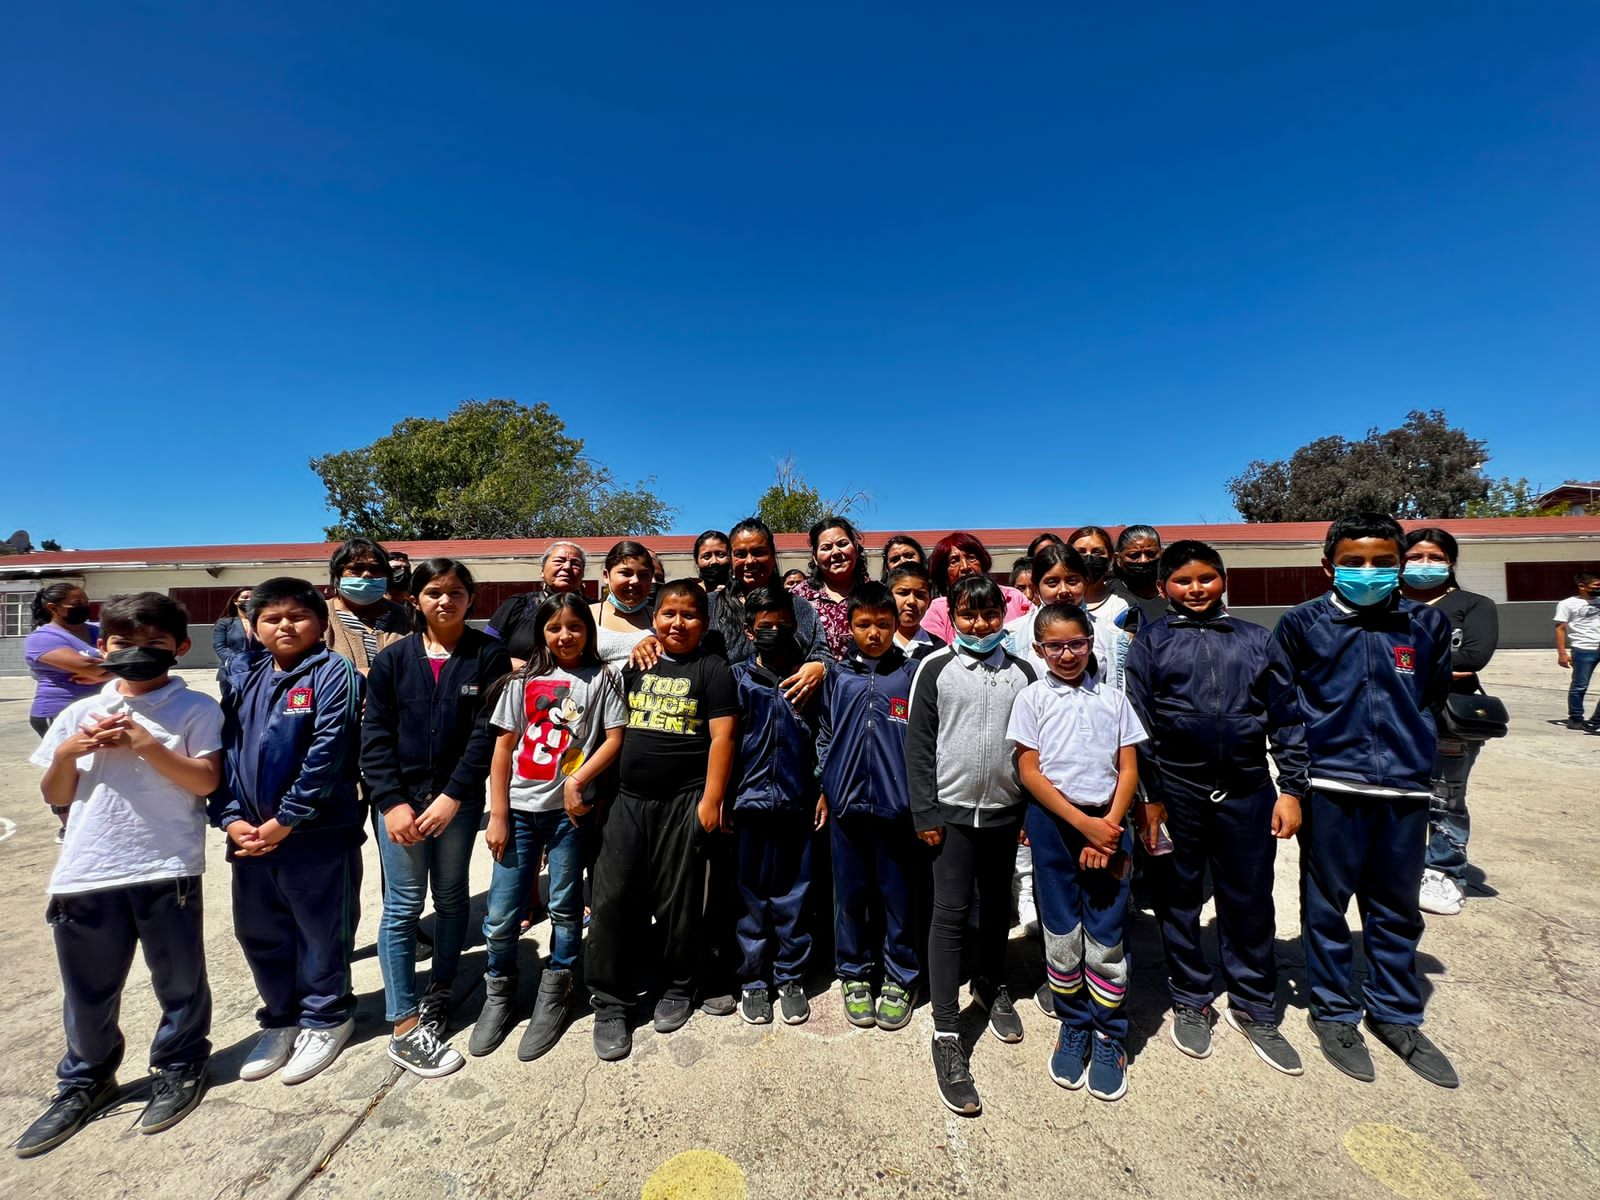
572 1123
356 1123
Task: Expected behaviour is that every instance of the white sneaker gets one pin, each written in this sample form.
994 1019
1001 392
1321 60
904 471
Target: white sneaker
1439 894
271 1051
315 1050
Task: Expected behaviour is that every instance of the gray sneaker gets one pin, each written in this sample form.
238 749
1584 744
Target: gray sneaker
1191 1029
422 1053
498 1016
1267 1040
1343 1046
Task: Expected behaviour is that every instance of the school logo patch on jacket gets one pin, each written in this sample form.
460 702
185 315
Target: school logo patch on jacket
299 700
898 708
1405 660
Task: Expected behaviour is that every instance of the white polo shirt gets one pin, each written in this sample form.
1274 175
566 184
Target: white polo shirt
1077 732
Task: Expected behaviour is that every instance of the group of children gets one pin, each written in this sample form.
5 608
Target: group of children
914 771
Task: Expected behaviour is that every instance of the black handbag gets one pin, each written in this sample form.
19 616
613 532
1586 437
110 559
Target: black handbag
1473 717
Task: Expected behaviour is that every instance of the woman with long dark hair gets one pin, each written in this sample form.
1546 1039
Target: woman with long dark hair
838 567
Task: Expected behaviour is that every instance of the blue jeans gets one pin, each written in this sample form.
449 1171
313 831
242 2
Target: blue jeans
1449 823
515 877
408 872
1583 665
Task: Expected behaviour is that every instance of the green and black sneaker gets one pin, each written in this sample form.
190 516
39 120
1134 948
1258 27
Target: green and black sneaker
894 1006
858 1003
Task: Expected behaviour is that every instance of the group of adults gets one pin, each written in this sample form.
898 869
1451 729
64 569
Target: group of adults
369 609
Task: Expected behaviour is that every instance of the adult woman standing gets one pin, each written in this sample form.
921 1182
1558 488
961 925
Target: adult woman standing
1429 577
361 619
899 550
232 636
755 564
838 567
953 557
622 619
712 558
561 570
1138 554
61 652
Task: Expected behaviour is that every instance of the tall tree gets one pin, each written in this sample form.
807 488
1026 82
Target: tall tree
1424 468
491 469
791 505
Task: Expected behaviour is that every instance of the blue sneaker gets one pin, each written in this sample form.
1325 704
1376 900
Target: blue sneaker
1108 1069
1069 1065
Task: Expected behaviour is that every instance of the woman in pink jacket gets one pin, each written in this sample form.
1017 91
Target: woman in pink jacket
962 554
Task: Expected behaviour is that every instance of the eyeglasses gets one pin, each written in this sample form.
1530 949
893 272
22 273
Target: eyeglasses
1077 647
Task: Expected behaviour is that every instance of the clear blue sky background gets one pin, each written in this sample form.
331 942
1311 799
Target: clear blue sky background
997 266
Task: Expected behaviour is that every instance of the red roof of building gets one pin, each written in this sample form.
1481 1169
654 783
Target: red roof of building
1291 533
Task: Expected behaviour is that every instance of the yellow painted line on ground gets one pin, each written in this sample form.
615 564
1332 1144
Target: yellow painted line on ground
695 1175
1408 1164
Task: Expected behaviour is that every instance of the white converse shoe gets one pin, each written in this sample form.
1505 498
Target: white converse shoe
271 1051
315 1050
1439 894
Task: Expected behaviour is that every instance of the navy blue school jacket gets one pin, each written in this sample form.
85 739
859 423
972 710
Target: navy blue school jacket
420 738
776 769
1214 693
290 749
1368 681
861 739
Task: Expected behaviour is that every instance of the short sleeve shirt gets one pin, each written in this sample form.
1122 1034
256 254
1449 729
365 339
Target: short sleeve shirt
1077 732
130 823
670 710
55 688
562 718
1582 619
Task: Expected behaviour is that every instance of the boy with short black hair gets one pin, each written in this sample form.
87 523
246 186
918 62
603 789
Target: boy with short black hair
134 762
677 755
776 809
1214 693
292 732
1578 646
1370 669
861 748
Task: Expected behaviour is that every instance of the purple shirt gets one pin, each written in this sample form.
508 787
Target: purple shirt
56 689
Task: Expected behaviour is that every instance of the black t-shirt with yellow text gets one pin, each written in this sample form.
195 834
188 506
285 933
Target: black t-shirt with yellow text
670 708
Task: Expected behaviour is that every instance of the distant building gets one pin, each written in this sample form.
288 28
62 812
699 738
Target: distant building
1523 563
1573 499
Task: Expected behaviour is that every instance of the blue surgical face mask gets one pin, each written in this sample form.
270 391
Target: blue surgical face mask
1426 575
611 598
1366 586
980 646
363 591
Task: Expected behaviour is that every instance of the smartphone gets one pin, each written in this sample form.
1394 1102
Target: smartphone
1163 842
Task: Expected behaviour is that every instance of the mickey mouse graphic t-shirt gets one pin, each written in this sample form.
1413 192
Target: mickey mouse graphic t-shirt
562 717
670 710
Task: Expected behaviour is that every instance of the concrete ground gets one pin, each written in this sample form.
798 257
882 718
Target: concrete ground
721 1109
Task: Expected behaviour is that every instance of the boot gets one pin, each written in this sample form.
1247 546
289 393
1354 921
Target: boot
549 1015
498 1016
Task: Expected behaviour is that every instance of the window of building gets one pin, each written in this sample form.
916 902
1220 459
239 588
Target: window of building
1274 587
16 614
1545 580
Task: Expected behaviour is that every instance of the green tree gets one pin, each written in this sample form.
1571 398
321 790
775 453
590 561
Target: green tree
1512 498
49 544
791 505
491 469
1424 468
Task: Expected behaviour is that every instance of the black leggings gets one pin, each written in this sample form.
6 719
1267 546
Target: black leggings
39 724
969 856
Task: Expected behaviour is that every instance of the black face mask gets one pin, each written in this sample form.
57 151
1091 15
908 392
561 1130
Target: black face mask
139 664
777 645
715 575
76 615
1096 567
1140 574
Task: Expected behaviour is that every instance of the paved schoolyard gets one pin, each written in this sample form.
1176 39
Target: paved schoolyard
721 1109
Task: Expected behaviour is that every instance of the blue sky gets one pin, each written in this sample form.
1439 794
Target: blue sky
997 266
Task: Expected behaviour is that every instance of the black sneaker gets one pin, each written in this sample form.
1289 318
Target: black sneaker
1191 1029
755 1006
792 1003
613 1040
1417 1052
1577 723
1046 1000
1267 1040
424 946
173 1095
1004 1022
69 1112
549 1015
672 1013
721 1005
433 1008
954 1076
422 1053
1343 1046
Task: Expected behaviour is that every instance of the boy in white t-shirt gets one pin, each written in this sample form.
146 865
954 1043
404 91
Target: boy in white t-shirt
134 763
1578 646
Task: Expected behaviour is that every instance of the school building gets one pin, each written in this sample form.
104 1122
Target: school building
1525 564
